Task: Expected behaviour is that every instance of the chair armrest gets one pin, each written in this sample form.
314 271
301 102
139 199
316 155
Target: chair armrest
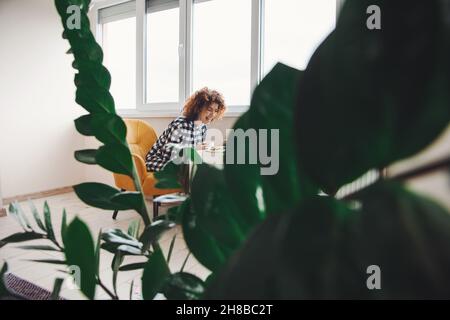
140 167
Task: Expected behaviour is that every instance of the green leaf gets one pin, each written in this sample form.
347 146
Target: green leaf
99 196
219 214
117 261
169 177
108 128
133 266
203 246
36 216
92 74
322 249
86 156
95 100
84 126
154 231
56 289
64 223
156 272
116 240
23 216
184 286
132 200
80 251
48 222
394 108
133 228
14 211
3 271
21 237
97 253
115 158
172 244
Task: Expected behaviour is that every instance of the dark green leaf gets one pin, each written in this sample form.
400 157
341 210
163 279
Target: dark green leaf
80 251
95 100
184 286
132 200
56 289
364 102
115 158
117 261
172 244
21 237
84 126
155 275
204 247
92 74
3 271
133 266
64 223
14 211
86 156
154 231
169 177
36 216
48 222
99 196
108 128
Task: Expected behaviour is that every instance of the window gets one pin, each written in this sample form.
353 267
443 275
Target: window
119 45
160 51
222 48
162 59
293 29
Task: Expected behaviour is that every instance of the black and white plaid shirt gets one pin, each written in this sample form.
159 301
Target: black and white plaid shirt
181 131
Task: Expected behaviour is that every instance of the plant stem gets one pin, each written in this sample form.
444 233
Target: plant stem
112 295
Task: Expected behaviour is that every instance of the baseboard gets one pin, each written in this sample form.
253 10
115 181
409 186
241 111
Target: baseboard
37 195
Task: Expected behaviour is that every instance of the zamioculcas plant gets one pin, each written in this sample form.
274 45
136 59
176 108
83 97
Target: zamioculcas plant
367 98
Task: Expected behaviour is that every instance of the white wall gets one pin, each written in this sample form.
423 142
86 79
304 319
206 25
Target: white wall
37 135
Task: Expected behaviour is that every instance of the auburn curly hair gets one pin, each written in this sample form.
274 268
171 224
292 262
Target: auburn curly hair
202 99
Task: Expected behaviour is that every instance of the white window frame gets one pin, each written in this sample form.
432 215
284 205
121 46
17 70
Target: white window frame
144 109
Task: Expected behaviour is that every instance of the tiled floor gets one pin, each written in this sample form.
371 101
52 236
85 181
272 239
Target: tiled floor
45 274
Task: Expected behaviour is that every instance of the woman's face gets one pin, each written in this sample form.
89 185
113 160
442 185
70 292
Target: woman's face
209 113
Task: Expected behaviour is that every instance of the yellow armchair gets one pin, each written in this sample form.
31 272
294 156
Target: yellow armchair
140 138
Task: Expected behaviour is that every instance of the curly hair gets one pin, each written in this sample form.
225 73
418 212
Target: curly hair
202 99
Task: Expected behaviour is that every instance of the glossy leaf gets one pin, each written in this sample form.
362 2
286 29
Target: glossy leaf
99 196
115 158
95 101
154 231
80 251
132 200
184 286
156 272
86 156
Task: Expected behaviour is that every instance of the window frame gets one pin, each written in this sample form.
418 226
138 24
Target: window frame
185 49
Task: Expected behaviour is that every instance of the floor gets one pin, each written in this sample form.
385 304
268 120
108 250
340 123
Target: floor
45 274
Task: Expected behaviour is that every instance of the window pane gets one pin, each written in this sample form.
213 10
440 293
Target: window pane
293 29
222 48
162 55
119 46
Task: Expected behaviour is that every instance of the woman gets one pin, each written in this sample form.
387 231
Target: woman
189 130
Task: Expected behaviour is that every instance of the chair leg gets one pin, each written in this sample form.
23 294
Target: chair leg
117 211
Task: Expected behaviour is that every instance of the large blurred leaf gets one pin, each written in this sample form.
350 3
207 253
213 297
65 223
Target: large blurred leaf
80 252
371 97
92 74
95 100
155 274
323 248
168 177
106 127
215 210
201 243
184 286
